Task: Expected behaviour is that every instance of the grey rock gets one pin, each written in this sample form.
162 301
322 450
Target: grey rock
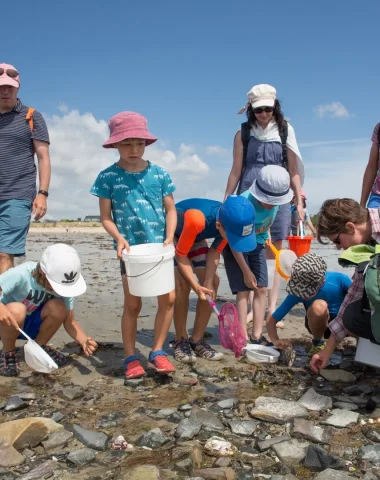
370 476
175 418
222 462
341 418
264 445
94 440
306 429
207 419
6 474
188 428
330 474
57 416
143 472
347 406
72 393
185 408
225 473
370 453
81 457
358 389
152 439
243 427
372 433
313 401
276 410
204 372
28 453
185 465
291 452
9 456
228 403
134 382
338 375
42 471
361 402
14 403
165 412
57 439
108 421
318 459
27 396
375 413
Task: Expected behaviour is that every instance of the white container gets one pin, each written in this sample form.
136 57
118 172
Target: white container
271 266
261 354
150 269
368 353
36 357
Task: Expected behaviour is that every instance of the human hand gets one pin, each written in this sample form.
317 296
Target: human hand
282 344
250 280
169 240
89 346
121 245
7 318
203 291
320 360
300 211
39 206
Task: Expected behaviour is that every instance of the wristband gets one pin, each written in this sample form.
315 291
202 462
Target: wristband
43 192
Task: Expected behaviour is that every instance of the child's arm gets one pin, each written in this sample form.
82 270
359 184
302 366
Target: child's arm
110 226
74 330
249 278
312 228
321 359
212 262
369 174
272 332
171 218
277 316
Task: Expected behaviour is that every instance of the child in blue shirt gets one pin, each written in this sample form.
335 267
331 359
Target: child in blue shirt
248 271
321 293
136 207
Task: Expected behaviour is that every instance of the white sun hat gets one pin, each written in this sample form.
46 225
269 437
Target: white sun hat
262 95
272 186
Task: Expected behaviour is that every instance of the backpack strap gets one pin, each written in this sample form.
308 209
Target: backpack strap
29 118
245 138
283 131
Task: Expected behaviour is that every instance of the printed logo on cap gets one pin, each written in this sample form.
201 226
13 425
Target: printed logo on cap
69 277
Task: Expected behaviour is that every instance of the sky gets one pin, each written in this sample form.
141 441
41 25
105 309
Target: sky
187 66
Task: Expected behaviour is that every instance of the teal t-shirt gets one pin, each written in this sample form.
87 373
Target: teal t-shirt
18 285
264 218
137 201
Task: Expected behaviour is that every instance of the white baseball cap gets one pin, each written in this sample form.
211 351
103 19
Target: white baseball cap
262 95
61 265
272 186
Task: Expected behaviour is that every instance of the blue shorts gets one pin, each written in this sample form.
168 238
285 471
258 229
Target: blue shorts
280 228
32 324
14 226
374 201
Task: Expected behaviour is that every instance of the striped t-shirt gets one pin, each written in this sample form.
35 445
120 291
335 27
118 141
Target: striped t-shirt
17 167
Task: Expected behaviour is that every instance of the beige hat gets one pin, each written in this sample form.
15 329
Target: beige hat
262 95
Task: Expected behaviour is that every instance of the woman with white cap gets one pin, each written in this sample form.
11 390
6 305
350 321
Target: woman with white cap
267 139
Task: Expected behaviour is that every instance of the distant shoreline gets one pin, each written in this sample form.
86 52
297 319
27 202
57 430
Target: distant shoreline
67 227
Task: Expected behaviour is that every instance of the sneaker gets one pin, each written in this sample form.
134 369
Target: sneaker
159 361
58 357
203 350
260 341
8 364
133 368
183 352
316 348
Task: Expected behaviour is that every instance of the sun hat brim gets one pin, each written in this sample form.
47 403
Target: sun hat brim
9 81
266 102
73 290
295 288
138 133
270 199
241 244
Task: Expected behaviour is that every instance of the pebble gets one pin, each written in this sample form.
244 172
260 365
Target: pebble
57 416
72 393
291 452
81 457
319 459
45 470
229 403
94 440
277 410
152 439
57 439
341 418
346 406
14 403
314 401
338 375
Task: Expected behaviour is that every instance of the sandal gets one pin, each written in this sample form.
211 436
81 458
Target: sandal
260 341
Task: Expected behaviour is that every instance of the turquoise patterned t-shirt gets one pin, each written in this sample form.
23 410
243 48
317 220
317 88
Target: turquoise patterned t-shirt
137 201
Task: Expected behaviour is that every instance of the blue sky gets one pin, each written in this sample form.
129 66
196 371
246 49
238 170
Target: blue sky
187 66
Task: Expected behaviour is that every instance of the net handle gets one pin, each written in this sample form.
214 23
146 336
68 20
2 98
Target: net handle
212 305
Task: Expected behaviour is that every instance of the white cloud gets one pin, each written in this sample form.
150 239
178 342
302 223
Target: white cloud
332 110
217 150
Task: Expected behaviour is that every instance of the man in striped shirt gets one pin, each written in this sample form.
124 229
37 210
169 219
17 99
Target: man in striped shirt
345 223
23 133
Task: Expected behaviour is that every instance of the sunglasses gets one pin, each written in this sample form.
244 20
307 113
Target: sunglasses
259 110
336 240
10 72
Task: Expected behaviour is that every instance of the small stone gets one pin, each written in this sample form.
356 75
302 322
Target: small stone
108 421
358 389
346 406
207 419
306 429
42 471
27 396
174 418
373 402
204 371
218 447
143 472
14 403
318 459
229 403
291 452
330 474
215 474
27 453
243 427
372 433
338 375
57 439
94 440
185 465
188 428
152 439
185 408
165 412
81 457
277 410
222 462
9 456
72 393
57 416
361 402
341 418
134 382
264 445
315 402
370 453
187 381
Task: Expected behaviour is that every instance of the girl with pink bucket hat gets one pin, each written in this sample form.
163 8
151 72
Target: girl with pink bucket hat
137 207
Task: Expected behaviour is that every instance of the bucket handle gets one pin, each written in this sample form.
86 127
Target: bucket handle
141 274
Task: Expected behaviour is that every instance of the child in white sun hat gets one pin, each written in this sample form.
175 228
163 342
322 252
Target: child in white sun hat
38 298
248 272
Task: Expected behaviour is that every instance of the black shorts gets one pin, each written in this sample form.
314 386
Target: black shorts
257 263
327 331
357 319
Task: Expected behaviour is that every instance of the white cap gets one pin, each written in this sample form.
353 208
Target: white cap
61 265
262 95
272 186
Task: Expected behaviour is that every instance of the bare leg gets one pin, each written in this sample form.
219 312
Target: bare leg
250 314
274 292
203 312
318 316
258 308
181 305
6 262
53 314
163 319
132 308
9 334
242 308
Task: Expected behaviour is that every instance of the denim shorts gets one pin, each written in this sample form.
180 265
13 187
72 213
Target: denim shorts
32 324
374 201
256 260
280 228
14 226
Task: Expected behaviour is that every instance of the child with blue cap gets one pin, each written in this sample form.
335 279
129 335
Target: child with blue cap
199 220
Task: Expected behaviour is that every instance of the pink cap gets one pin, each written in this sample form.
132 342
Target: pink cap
5 79
128 125
303 194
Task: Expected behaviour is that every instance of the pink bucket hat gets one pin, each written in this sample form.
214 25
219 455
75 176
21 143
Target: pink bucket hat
128 125
6 79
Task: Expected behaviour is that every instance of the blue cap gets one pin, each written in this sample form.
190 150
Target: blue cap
237 216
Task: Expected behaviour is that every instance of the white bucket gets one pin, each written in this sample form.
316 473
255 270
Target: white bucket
368 353
261 354
150 269
271 266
